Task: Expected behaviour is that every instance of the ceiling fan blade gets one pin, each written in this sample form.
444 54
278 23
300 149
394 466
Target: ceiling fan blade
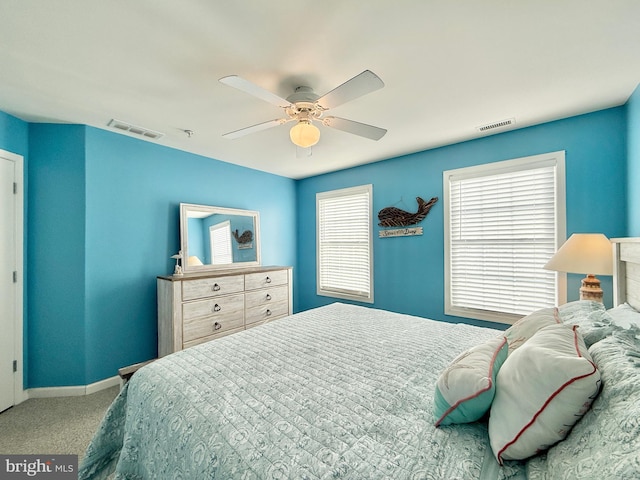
255 128
361 84
253 89
357 128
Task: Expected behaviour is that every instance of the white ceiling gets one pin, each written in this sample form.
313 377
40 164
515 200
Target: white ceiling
448 68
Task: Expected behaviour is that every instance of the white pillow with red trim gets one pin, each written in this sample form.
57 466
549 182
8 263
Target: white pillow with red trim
543 388
525 328
465 390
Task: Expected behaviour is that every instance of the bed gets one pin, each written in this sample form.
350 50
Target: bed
345 391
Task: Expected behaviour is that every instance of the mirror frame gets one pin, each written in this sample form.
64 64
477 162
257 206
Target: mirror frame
185 208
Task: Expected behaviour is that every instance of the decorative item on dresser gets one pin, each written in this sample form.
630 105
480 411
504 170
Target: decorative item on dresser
196 308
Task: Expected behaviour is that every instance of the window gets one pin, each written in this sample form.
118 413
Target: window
344 243
220 237
502 224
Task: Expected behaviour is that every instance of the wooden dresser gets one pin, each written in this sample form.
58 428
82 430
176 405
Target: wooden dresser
196 308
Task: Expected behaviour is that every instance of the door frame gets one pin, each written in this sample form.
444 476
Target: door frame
20 394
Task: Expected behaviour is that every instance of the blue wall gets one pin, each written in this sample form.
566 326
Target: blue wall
633 153
14 135
134 189
101 221
56 246
409 271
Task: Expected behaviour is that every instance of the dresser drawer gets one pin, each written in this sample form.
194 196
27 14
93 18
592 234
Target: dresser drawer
208 338
266 296
208 317
253 281
211 287
265 313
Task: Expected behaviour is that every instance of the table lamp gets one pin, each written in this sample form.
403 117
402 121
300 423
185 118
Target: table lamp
588 253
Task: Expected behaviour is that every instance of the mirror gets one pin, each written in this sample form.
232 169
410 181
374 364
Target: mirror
214 238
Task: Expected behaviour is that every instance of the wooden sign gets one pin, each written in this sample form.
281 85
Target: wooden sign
401 232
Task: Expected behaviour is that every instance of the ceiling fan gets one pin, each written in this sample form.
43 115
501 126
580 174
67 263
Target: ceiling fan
305 107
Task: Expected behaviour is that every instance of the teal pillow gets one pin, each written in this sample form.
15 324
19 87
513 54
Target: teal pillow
465 390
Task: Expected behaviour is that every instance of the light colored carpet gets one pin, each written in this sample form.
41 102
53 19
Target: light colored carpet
53 425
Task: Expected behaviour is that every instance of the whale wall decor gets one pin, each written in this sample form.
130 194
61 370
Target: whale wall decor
395 217
246 237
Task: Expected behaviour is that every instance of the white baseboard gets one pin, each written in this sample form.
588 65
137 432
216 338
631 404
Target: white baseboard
74 391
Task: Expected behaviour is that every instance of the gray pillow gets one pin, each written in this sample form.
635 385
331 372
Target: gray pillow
624 315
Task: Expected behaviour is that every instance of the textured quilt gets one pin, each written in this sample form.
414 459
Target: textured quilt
340 391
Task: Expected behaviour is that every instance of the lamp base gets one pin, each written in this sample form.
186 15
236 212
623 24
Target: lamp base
590 289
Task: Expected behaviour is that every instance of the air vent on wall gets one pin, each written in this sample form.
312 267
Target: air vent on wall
127 127
494 125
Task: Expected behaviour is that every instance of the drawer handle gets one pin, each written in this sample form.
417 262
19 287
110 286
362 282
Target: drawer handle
215 287
268 312
268 297
216 308
217 326
268 280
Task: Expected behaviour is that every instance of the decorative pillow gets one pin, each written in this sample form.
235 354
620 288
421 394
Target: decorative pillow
624 315
542 390
465 390
525 328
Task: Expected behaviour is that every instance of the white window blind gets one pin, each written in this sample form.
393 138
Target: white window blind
503 226
344 243
220 236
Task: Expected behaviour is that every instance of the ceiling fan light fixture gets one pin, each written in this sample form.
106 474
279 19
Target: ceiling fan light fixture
304 134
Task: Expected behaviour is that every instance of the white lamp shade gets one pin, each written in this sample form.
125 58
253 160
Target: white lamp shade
304 134
588 253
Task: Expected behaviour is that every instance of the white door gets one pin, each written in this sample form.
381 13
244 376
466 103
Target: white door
8 305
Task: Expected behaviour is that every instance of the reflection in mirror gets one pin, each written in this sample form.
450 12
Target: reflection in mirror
218 238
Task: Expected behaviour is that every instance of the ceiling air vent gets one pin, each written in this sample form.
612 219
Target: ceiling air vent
127 127
494 125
